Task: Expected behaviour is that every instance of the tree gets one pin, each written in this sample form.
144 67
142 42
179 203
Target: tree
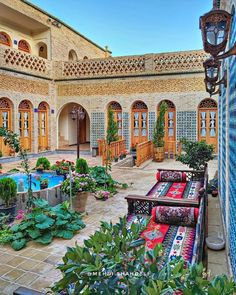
112 127
159 131
197 154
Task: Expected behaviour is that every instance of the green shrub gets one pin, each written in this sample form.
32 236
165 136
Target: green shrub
197 154
113 261
112 127
8 191
81 166
159 131
45 222
44 162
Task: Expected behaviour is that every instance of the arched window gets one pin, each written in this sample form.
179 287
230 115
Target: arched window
5 39
85 57
116 107
24 46
43 126
42 50
170 128
208 122
5 121
25 124
72 55
139 123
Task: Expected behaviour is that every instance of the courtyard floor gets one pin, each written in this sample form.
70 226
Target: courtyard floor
35 266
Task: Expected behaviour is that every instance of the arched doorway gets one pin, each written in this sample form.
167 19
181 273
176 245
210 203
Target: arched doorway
139 123
5 121
72 55
68 129
208 122
43 110
42 50
170 128
25 124
116 107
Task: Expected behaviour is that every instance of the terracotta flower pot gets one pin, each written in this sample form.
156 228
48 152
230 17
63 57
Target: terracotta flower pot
79 201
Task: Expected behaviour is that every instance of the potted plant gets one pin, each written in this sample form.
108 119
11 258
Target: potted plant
81 166
196 154
116 159
42 163
159 133
63 167
43 183
102 195
80 185
8 192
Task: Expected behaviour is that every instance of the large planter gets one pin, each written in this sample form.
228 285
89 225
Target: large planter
158 154
79 201
9 210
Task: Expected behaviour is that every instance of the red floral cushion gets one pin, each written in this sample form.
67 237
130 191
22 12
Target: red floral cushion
171 176
184 216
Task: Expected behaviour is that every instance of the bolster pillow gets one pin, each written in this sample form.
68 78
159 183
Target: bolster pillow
171 176
180 216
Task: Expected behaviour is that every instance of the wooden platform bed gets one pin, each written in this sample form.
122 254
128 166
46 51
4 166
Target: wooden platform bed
177 206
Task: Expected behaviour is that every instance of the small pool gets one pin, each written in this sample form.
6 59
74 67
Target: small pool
22 183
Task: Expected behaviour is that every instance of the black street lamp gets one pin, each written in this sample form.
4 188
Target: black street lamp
79 114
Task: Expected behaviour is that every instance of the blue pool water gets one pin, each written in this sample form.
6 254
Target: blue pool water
22 183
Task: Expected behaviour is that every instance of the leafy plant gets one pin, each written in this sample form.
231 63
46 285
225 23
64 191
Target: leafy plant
197 154
159 131
81 166
8 191
4 220
43 162
113 261
112 128
62 167
44 223
102 195
78 183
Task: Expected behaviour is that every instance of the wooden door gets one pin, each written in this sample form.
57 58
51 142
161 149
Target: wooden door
170 129
25 124
116 107
139 123
43 126
6 122
208 125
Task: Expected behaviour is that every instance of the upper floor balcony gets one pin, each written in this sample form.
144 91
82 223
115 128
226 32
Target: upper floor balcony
20 61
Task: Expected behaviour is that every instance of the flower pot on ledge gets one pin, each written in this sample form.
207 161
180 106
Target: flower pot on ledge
158 154
79 201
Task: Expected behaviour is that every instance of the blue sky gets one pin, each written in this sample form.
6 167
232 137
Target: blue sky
132 27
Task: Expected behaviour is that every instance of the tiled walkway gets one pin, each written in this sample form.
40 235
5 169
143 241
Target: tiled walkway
34 266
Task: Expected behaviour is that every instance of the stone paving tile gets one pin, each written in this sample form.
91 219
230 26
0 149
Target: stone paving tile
28 264
10 289
27 279
15 261
42 283
13 275
5 269
40 256
42 268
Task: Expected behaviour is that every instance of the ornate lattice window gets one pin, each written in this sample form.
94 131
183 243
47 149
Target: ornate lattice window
24 46
5 103
139 105
43 106
115 106
208 103
25 105
169 103
5 39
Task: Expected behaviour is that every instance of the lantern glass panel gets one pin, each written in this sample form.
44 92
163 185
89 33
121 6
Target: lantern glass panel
212 72
215 32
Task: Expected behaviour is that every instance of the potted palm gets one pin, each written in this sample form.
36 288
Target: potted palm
159 133
8 191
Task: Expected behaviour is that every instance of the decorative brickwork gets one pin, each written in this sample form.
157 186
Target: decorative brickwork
97 128
151 124
133 86
126 134
187 125
106 66
11 83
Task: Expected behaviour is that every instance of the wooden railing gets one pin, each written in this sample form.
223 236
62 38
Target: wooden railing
144 152
101 143
115 149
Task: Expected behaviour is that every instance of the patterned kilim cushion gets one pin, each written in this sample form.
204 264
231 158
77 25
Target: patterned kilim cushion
171 176
185 216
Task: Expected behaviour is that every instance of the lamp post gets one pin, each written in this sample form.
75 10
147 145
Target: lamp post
79 114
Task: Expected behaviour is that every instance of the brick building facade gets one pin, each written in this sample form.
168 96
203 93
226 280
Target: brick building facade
46 68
